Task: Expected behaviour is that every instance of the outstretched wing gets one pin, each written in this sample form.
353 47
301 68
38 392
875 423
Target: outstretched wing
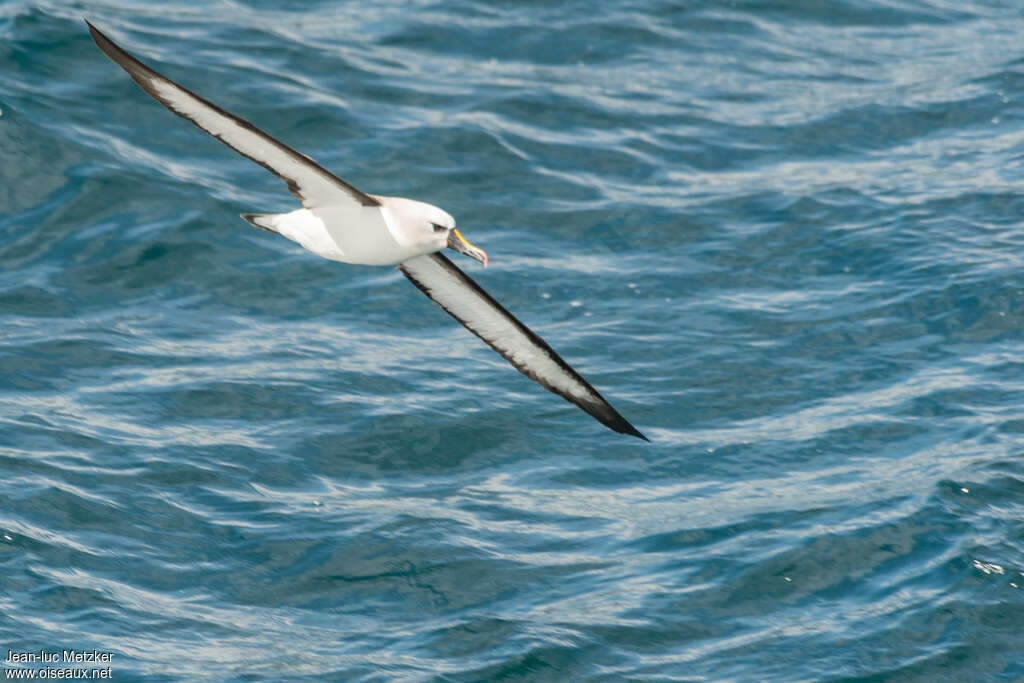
307 180
464 300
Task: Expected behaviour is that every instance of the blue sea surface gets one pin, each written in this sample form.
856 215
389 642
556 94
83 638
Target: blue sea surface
784 238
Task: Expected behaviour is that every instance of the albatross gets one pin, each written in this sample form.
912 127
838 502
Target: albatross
341 223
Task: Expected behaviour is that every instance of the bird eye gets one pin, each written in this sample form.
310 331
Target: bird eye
439 228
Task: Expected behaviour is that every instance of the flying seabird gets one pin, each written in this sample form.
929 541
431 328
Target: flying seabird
341 223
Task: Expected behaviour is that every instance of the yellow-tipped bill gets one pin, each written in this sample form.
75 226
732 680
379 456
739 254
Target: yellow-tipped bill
459 243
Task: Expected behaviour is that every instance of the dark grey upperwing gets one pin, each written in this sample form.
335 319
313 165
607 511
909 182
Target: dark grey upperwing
464 300
307 180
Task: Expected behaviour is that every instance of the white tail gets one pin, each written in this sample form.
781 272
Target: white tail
263 221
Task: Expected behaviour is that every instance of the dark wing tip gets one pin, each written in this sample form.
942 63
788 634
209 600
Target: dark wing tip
134 67
96 34
610 418
633 431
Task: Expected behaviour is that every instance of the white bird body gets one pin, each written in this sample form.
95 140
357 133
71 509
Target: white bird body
384 235
341 223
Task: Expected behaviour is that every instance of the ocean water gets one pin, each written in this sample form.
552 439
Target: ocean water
783 238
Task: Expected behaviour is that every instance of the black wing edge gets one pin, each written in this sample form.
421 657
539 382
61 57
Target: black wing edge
601 410
139 72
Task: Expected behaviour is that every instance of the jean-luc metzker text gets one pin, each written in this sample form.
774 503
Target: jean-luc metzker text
59 657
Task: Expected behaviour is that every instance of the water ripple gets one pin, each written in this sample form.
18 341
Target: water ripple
782 239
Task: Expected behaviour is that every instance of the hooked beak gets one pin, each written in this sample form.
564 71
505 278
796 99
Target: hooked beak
457 242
